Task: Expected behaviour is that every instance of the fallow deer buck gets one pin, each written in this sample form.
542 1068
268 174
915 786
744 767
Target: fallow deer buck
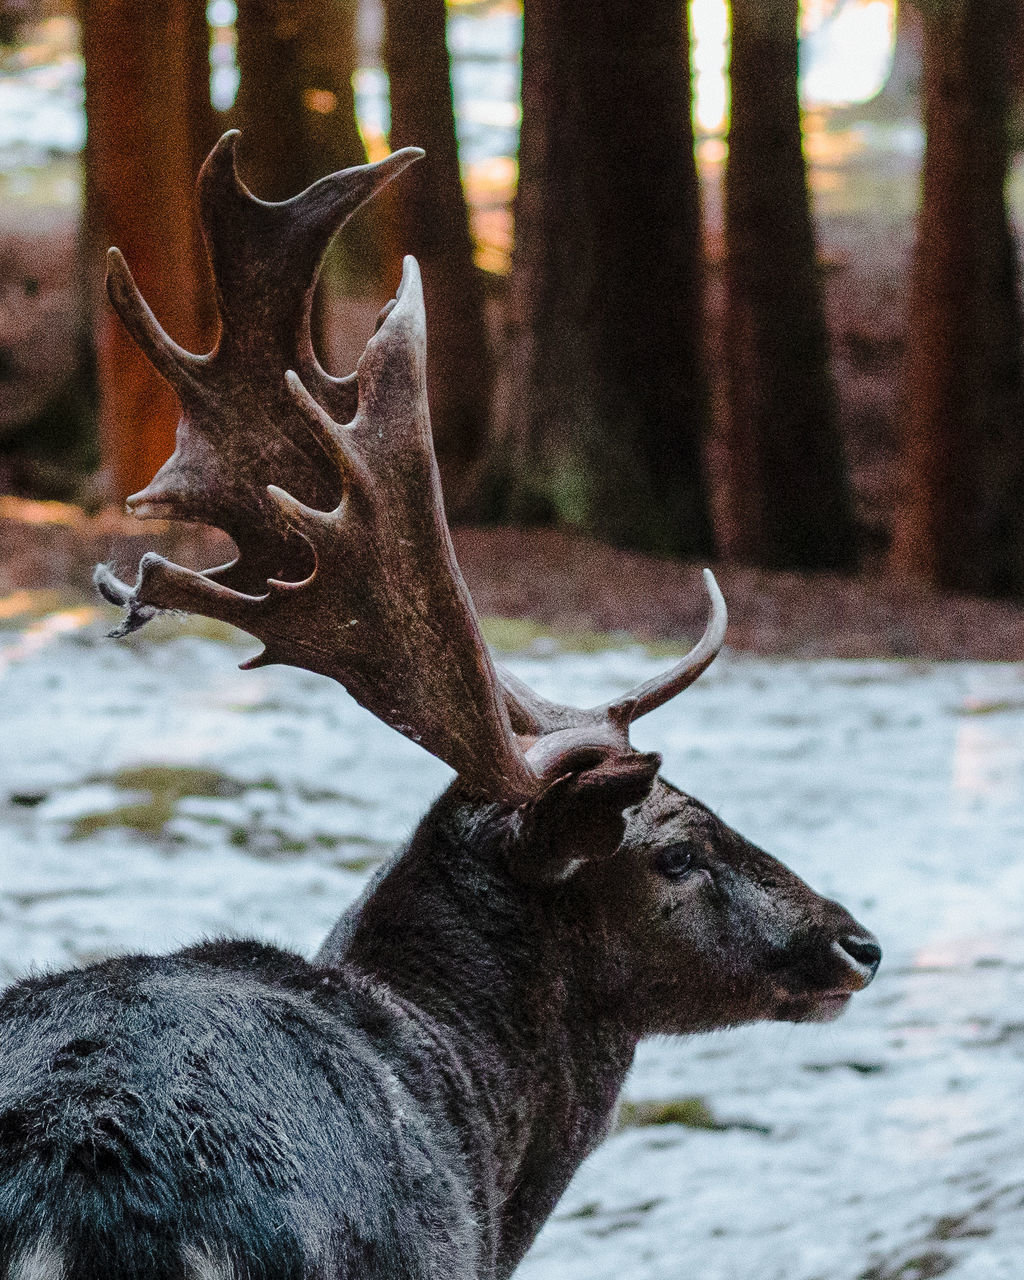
411 1104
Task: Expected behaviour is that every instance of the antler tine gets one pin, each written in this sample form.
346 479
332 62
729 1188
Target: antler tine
646 697
530 714
181 368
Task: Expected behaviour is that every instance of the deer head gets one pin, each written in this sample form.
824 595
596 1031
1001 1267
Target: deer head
345 567
560 888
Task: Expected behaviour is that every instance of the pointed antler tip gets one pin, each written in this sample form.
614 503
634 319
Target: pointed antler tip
111 588
718 605
314 413
295 511
411 281
119 274
654 693
393 164
219 172
226 144
177 365
149 506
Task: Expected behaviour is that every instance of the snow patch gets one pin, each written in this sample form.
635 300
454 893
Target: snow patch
884 1145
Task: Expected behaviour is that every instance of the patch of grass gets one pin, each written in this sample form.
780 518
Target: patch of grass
694 1113
158 790
674 648
177 781
594 1209
259 842
270 844
172 626
588 1210
959 1226
520 635
153 795
989 707
861 1068
360 863
922 1266
148 817
326 795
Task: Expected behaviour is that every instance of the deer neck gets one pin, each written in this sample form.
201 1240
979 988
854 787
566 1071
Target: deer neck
529 1045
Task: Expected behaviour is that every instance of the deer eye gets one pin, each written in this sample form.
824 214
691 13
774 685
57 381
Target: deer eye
31 287
675 861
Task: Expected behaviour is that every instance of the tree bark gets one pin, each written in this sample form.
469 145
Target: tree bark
150 124
788 503
433 225
296 111
274 156
960 522
902 87
602 403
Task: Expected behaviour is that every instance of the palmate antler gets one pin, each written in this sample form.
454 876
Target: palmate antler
330 489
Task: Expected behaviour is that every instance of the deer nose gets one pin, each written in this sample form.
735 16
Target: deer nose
863 951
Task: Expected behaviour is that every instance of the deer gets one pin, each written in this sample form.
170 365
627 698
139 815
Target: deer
412 1102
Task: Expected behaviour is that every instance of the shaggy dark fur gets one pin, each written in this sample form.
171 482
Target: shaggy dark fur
411 1105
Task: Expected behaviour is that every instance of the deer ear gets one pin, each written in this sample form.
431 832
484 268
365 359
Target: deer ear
580 817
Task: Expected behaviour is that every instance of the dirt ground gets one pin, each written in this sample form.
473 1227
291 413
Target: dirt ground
573 586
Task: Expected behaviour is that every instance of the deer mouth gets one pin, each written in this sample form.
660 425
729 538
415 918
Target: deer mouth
813 1006
820 986
803 1000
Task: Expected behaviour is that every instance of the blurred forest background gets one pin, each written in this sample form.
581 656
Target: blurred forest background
738 280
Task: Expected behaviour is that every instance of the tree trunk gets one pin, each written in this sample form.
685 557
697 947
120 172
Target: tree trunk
274 155
433 225
1016 73
150 125
960 520
296 111
902 87
602 402
788 503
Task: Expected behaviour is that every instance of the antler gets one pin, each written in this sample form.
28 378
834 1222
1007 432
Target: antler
330 488
532 714
239 428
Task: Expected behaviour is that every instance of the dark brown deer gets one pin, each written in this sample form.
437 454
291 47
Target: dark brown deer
411 1104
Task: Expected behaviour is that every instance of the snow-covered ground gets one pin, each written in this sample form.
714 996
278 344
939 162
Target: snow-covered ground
889 1146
